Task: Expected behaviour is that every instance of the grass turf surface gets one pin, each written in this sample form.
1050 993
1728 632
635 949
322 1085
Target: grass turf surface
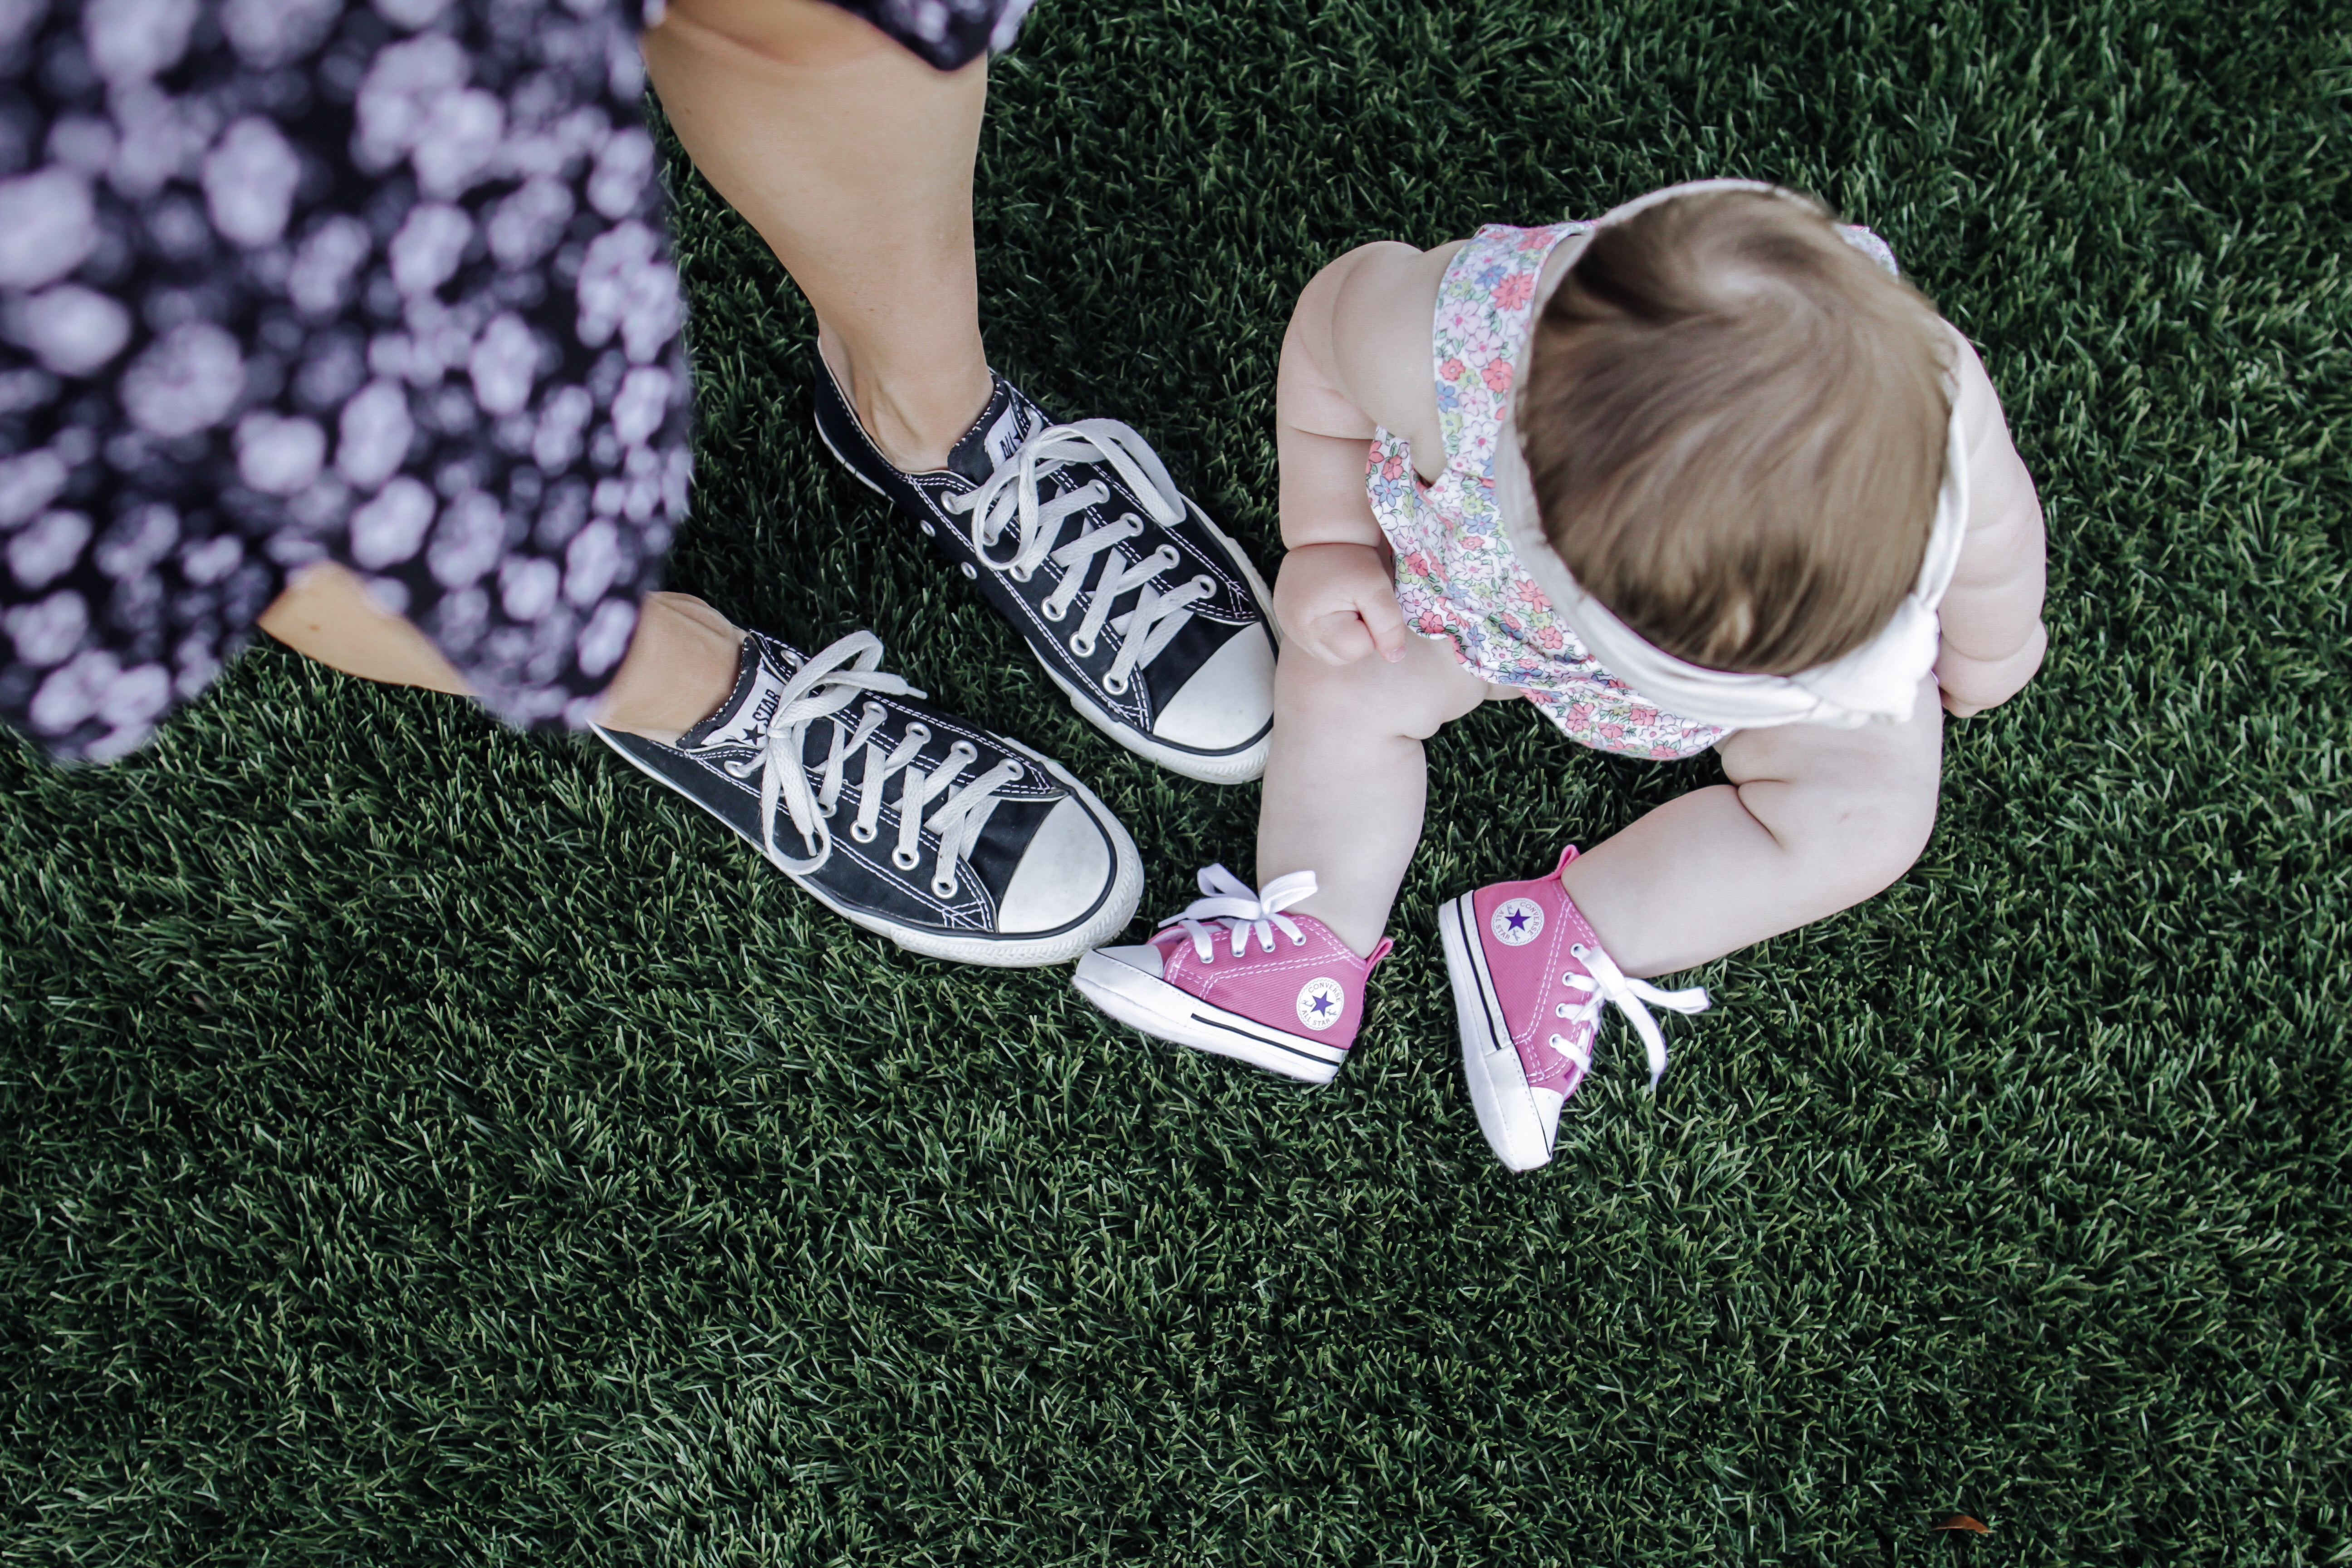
426 1143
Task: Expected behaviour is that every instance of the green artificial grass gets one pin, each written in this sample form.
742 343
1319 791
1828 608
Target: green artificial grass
424 1143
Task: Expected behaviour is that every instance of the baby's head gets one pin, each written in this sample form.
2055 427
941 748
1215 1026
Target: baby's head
1734 425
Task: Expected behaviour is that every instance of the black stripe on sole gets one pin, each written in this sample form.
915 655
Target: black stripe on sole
1278 1045
1491 1006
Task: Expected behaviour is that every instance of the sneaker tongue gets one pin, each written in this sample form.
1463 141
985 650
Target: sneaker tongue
1007 421
742 719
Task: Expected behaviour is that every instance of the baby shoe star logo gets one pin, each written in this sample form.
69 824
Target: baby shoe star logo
1518 921
1320 1002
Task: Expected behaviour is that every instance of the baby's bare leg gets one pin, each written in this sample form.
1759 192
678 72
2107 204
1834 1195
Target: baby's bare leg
1814 820
1347 782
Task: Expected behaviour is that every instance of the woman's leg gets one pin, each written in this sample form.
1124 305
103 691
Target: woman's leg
1813 821
680 665
854 161
1347 782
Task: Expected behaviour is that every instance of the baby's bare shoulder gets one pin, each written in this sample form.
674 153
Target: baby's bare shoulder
1979 404
1373 317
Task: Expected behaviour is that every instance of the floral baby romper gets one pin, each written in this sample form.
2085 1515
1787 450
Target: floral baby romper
1456 574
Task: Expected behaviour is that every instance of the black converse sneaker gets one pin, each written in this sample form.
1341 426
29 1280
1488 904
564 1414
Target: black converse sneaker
982 851
1137 606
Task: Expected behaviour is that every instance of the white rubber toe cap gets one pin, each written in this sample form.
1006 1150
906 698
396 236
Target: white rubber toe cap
1061 877
1228 701
1145 958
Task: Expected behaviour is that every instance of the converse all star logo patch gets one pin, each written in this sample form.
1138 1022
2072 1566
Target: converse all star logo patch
1320 1002
1518 921
748 725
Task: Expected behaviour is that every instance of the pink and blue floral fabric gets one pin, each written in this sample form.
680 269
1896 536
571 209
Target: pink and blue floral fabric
1456 574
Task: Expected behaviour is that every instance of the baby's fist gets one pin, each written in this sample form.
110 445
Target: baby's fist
1339 604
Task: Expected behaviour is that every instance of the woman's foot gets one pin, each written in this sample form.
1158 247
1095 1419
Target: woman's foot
1139 608
950 840
1236 977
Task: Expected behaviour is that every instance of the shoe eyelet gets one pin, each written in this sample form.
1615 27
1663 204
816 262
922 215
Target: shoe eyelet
1085 650
930 532
905 859
1299 941
1020 573
1577 948
943 886
1557 1043
964 749
1115 685
1052 611
862 834
920 732
972 572
1560 1010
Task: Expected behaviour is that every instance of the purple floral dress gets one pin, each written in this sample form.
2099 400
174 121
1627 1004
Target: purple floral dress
380 282
1456 574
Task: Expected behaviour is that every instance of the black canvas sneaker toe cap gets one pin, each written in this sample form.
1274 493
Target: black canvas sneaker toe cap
1148 616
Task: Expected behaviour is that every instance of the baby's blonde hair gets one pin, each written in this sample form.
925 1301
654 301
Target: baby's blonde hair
1735 423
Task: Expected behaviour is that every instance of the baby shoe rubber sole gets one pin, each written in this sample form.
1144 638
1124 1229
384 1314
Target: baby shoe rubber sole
1227 950
1490 1062
1182 673
1116 980
1025 868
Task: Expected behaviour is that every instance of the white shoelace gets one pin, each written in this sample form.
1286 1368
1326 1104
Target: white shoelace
1609 985
1009 500
1243 912
820 688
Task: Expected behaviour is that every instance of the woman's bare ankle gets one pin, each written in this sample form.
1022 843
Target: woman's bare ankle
680 669
914 424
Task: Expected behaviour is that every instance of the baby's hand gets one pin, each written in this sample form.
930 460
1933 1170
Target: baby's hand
1338 603
1972 685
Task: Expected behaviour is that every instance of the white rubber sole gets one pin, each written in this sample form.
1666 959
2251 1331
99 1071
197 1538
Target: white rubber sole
995 953
1218 768
1490 1063
1150 1004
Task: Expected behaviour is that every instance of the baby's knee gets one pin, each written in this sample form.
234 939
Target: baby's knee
1876 832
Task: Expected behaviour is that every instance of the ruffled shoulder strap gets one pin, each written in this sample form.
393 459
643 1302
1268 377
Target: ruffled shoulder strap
1484 312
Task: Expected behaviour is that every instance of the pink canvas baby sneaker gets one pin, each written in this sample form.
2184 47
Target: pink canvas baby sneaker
1237 977
1530 982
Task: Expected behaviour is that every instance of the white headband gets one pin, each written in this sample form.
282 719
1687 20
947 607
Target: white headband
1877 682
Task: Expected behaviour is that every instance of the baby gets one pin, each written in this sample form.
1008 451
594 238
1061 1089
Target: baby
1703 473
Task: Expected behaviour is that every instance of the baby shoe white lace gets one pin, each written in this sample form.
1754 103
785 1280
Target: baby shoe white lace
1602 984
1243 912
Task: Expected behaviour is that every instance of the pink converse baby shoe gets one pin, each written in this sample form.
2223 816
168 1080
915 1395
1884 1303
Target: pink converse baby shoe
1530 982
1224 982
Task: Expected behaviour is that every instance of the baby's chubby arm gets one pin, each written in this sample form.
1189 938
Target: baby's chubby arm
1357 355
1993 637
